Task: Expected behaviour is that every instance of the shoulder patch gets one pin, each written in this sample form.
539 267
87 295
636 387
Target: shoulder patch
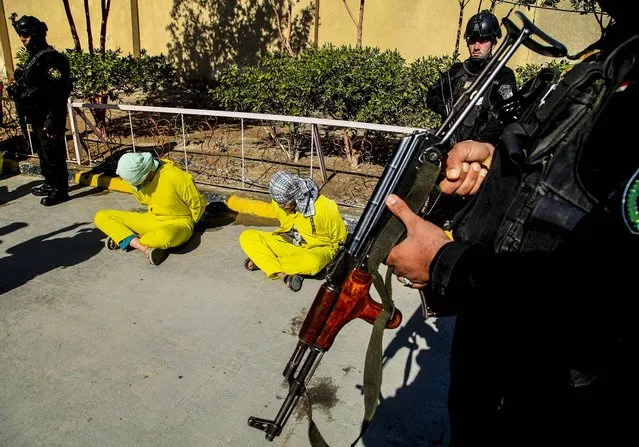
54 73
505 91
630 204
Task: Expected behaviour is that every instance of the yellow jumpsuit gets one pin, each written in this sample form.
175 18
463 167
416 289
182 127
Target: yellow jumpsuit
174 207
273 254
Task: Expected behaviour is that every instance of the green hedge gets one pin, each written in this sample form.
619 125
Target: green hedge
526 72
357 84
111 74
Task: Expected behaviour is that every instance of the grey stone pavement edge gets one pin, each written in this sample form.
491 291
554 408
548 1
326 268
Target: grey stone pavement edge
100 348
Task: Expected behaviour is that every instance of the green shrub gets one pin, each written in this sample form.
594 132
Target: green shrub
422 74
110 74
524 73
345 83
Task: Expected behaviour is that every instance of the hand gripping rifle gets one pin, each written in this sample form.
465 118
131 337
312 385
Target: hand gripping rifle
412 175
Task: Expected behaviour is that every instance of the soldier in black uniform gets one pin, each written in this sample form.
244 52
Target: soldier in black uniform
40 91
482 33
542 273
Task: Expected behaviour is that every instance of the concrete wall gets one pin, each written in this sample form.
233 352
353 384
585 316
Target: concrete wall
429 27
201 37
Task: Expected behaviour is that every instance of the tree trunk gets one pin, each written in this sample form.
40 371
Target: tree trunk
289 28
87 16
106 6
74 32
284 30
360 24
460 24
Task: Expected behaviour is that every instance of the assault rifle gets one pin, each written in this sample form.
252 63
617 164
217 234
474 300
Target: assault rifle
412 175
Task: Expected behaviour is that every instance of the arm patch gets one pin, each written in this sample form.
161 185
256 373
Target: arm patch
54 73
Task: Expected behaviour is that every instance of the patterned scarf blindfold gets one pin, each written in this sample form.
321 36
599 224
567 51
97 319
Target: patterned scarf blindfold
285 187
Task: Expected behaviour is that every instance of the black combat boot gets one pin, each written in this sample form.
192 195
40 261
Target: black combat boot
42 190
55 197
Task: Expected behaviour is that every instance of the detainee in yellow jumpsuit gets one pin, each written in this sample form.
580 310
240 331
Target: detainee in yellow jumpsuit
303 244
174 207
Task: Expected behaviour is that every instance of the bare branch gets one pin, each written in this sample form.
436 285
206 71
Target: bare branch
284 39
106 6
460 24
360 25
349 12
74 32
87 16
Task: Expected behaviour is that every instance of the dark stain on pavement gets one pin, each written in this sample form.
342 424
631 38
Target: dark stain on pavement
323 396
296 323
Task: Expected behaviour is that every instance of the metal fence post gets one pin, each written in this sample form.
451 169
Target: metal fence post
74 132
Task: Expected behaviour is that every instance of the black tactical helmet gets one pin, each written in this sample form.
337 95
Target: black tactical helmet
483 26
28 26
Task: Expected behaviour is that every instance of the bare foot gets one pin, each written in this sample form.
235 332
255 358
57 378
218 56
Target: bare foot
135 243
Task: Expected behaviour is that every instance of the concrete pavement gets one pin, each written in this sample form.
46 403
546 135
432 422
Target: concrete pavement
100 348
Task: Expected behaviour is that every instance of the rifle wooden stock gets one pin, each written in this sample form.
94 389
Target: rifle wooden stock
331 311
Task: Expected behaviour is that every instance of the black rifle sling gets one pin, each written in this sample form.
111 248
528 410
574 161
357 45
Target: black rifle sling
314 436
35 58
390 235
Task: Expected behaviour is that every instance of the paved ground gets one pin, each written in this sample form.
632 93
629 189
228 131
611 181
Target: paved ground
100 348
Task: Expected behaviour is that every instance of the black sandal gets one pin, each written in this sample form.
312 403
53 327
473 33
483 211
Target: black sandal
294 282
111 244
156 256
250 265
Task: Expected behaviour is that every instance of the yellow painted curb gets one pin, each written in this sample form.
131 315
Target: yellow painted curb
255 207
96 180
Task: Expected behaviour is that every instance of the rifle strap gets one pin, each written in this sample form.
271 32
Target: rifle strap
389 236
314 436
35 57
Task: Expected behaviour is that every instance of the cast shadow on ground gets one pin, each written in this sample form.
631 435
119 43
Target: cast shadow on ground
7 196
85 191
47 252
216 215
417 414
13 226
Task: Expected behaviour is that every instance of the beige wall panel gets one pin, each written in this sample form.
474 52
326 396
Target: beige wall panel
419 28
415 28
155 17
59 34
576 31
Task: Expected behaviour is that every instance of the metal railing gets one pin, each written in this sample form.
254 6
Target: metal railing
236 150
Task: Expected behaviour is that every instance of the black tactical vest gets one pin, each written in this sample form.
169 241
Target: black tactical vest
534 195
